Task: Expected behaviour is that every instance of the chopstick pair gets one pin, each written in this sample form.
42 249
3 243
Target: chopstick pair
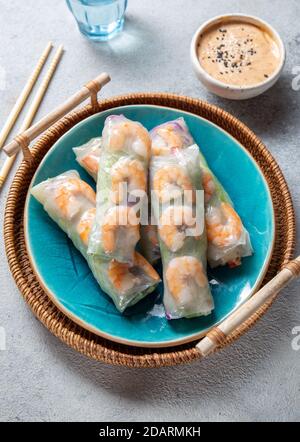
34 106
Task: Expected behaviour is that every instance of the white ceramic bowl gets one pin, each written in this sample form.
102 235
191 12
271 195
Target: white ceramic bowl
232 91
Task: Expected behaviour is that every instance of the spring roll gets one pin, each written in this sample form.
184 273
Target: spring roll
179 213
228 240
71 203
149 243
121 189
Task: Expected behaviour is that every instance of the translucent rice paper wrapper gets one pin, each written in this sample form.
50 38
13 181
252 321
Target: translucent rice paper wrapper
186 261
116 229
175 135
66 204
138 280
88 156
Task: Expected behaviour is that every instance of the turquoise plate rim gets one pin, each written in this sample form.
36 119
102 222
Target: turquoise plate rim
109 336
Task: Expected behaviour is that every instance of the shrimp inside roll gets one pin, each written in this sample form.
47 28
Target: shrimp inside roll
121 134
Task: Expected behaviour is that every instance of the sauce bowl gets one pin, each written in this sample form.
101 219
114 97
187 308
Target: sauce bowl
226 90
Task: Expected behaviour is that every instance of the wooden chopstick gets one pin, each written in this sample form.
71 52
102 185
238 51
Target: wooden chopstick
4 171
14 113
218 335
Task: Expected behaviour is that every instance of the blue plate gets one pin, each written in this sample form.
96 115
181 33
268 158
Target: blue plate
67 279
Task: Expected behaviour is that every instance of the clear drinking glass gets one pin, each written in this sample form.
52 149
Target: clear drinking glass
98 20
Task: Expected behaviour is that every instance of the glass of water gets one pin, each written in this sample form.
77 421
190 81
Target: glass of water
98 20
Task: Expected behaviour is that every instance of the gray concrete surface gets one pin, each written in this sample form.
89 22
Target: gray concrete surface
255 379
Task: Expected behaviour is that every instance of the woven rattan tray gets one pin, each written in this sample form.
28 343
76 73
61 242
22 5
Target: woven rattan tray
86 342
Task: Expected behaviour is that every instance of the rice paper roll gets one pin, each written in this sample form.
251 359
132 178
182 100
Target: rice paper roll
228 240
121 189
71 203
68 200
179 213
88 156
